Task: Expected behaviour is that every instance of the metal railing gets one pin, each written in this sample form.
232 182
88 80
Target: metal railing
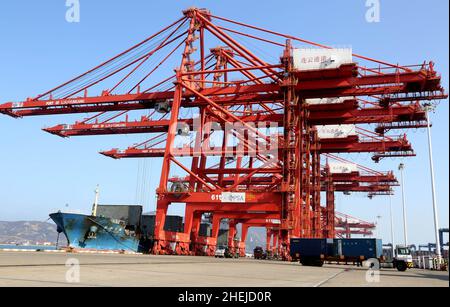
430 262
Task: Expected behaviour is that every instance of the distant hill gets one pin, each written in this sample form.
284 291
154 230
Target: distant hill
27 231
32 232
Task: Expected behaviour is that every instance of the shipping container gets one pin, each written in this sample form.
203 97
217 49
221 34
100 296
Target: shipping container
311 251
222 239
205 230
172 224
309 247
317 251
130 214
148 225
359 248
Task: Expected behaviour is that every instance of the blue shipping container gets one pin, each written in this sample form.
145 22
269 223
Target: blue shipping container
355 248
311 247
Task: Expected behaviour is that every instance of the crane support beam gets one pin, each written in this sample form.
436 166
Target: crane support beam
351 144
315 84
331 114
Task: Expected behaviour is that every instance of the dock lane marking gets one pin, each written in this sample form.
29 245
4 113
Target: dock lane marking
330 278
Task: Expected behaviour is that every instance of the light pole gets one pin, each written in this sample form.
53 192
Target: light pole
401 167
378 226
429 107
392 223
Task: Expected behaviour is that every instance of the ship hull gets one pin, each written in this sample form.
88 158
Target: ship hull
95 233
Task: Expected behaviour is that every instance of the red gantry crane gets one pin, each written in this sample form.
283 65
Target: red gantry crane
244 120
346 226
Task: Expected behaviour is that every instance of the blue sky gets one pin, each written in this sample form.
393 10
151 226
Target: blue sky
41 173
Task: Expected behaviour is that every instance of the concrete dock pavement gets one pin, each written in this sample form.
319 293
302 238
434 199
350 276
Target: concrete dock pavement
37 269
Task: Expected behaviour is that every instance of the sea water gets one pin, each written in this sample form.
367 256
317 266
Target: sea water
27 247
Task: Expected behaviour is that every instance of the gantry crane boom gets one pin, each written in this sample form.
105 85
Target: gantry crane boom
422 81
413 115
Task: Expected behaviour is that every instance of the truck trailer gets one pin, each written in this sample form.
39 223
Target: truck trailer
314 252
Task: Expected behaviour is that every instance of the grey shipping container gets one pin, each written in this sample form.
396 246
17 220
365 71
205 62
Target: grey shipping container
222 240
205 230
172 224
131 215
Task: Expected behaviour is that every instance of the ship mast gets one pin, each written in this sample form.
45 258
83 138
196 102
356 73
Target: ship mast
94 207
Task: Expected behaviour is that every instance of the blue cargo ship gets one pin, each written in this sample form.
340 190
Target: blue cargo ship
96 232
112 228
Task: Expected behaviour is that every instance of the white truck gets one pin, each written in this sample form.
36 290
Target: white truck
400 259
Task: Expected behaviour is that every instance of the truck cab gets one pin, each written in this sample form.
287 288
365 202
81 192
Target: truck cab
258 253
401 258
